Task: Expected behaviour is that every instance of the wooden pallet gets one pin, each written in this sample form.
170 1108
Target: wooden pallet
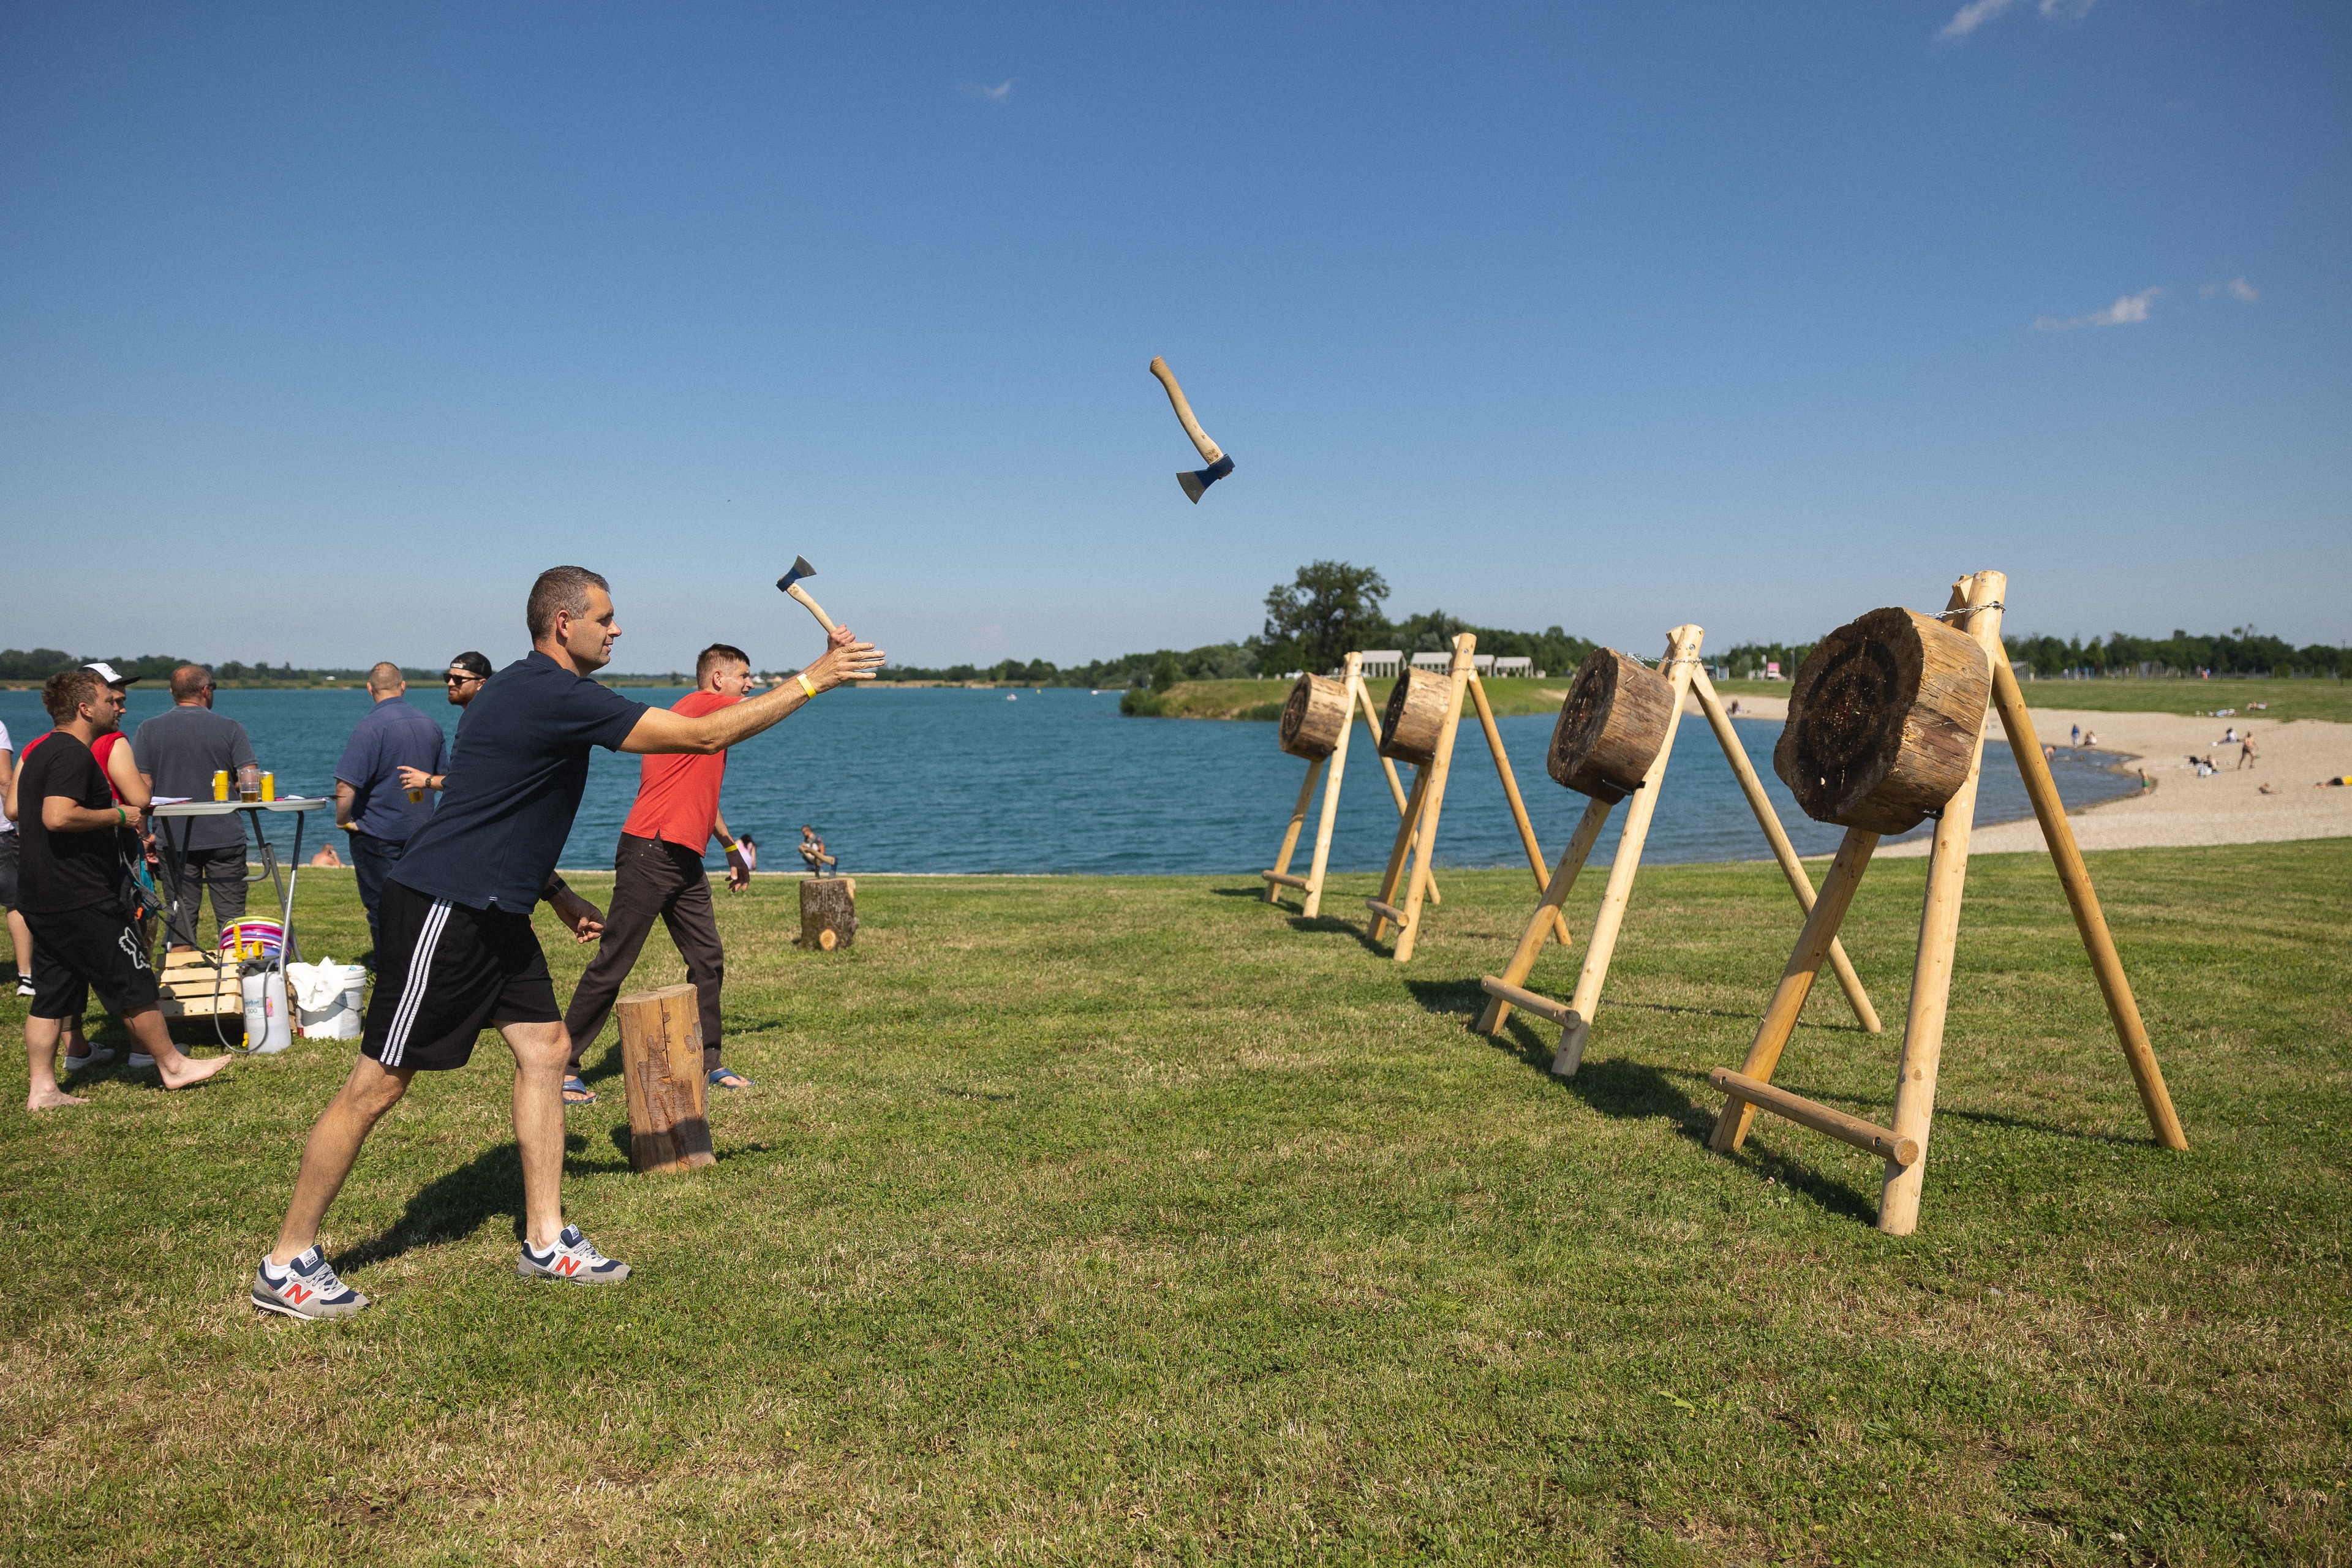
194 987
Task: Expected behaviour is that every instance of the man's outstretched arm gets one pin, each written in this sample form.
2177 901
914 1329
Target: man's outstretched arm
658 729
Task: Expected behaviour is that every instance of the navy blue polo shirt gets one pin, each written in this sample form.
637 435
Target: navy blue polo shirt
394 735
515 779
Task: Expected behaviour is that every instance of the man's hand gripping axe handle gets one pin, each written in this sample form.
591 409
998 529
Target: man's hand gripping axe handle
1220 464
790 583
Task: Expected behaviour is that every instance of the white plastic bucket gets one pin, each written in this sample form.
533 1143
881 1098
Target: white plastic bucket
329 999
266 1028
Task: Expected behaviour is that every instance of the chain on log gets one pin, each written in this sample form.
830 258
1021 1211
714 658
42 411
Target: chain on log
1611 727
1883 720
1314 716
1415 716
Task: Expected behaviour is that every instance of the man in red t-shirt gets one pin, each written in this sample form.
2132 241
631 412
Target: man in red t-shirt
657 872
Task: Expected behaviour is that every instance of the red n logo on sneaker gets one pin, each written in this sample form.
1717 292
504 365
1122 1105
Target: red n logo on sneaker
567 1266
299 1293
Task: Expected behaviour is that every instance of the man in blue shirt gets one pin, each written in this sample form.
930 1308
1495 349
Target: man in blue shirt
370 803
457 953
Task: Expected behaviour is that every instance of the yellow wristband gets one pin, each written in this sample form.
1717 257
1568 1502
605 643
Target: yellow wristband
802 677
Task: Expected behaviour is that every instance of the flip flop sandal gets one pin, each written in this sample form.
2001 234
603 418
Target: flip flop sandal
574 1087
719 1074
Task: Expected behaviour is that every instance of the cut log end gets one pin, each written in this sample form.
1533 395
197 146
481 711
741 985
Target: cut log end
661 1070
1884 717
1314 716
828 913
1611 727
1415 716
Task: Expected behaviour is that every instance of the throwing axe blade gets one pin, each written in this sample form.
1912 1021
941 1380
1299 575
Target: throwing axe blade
790 583
1199 479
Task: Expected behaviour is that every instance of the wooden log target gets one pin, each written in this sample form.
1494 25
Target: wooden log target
1611 727
1414 722
1314 717
1884 718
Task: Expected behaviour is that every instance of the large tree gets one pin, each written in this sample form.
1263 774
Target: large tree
1330 609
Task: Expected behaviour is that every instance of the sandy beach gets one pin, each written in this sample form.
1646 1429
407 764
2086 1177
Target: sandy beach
2227 808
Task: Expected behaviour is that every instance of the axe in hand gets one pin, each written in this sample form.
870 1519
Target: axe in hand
1219 464
790 583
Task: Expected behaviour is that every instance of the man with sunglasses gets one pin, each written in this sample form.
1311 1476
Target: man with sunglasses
371 802
467 673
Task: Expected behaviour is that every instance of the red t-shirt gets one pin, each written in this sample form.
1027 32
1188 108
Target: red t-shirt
678 794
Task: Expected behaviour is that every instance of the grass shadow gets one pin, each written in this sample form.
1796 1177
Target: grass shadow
722 1152
452 1207
1257 892
1465 999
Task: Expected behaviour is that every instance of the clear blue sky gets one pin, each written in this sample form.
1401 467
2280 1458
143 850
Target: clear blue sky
323 328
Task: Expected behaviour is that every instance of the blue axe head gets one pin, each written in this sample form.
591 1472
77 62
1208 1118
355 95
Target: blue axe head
801 568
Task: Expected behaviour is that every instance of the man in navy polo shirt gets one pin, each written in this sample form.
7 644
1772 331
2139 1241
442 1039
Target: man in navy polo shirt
370 803
457 953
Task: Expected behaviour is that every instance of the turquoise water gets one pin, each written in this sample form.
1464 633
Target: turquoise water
951 780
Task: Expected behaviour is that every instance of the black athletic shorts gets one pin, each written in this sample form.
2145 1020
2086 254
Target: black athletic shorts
94 948
444 973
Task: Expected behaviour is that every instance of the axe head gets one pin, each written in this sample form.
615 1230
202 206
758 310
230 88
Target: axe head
1199 479
801 568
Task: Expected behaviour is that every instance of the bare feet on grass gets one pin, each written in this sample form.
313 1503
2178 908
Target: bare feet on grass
51 1099
189 1071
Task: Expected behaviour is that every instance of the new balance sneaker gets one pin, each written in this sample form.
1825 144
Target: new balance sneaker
24 987
574 1258
306 1288
140 1061
99 1056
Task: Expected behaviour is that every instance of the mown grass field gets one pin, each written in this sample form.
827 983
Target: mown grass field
1083 1221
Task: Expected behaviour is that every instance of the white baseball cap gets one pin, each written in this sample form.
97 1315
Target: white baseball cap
106 672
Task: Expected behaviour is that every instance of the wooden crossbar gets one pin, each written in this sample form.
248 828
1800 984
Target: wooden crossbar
1284 879
1879 1141
1528 1001
1386 912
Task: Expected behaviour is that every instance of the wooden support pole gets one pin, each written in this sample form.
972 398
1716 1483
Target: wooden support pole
1394 875
1681 658
1433 799
1812 1113
1352 671
1782 850
1939 930
1297 821
1556 924
1556 891
2089 919
1797 980
661 1066
1387 767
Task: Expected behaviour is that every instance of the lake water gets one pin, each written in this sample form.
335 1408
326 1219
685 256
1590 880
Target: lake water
939 779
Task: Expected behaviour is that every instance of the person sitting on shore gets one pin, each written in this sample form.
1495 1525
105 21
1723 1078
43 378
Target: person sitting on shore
2266 788
326 859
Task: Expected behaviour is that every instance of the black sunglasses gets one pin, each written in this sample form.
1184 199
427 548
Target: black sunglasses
459 679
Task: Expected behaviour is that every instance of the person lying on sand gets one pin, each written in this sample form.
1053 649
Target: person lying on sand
2266 789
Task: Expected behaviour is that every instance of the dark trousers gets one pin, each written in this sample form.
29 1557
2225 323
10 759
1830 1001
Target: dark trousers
652 878
222 872
372 862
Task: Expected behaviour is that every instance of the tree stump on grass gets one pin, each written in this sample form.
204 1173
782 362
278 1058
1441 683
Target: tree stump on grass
1314 716
1883 719
828 913
1415 716
1611 727
661 1065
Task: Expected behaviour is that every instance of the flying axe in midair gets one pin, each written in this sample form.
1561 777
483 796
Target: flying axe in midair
790 583
1219 464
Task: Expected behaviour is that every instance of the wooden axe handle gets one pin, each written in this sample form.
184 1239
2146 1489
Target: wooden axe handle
1208 450
797 592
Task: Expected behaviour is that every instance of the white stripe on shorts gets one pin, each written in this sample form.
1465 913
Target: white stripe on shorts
412 991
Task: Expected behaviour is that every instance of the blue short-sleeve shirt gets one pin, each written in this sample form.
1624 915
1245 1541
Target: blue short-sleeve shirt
515 779
394 735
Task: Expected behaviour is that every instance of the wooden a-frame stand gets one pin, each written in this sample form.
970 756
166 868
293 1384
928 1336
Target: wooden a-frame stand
1416 839
1687 676
1976 609
1360 704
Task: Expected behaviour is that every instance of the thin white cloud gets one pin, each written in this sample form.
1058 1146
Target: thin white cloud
2126 311
2238 288
1977 13
997 94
